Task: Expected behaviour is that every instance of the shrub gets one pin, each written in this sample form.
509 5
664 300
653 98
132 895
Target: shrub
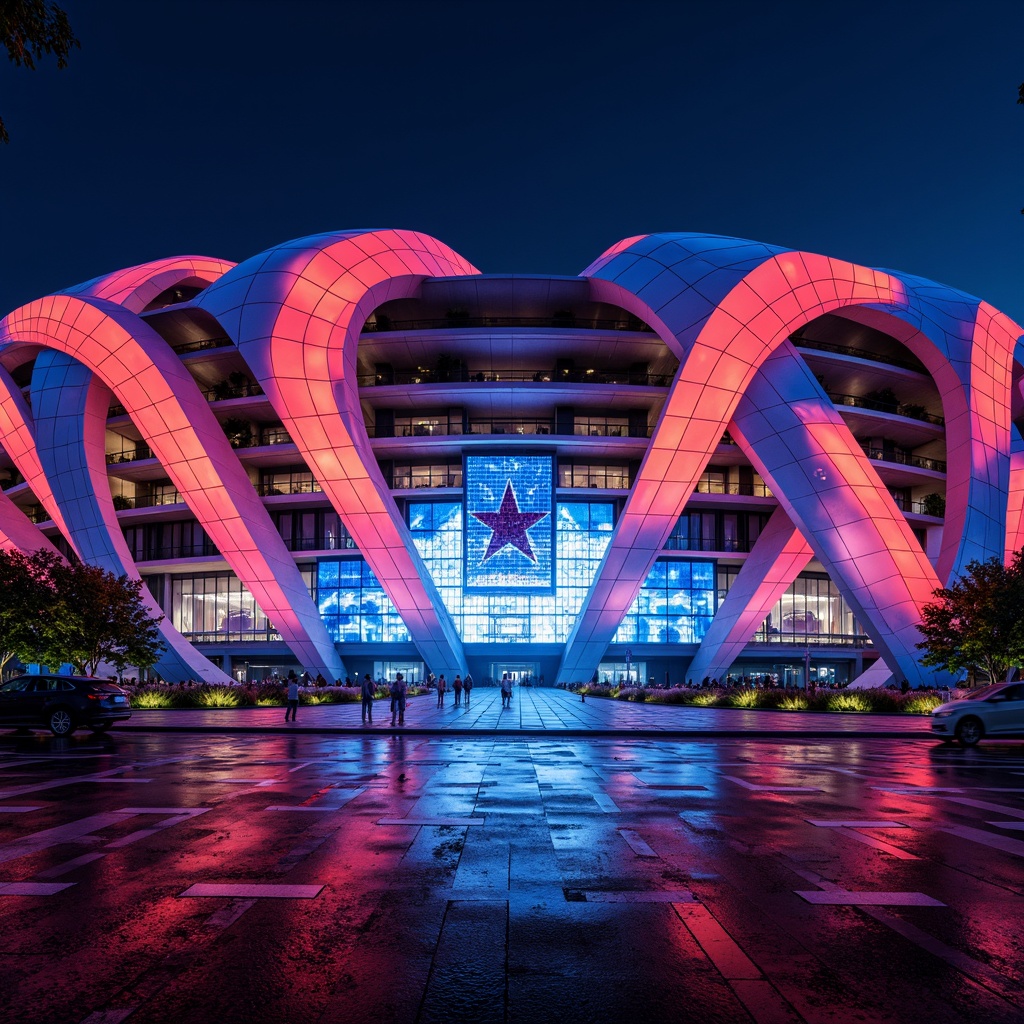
216 697
705 698
793 702
150 697
745 699
634 693
848 700
921 703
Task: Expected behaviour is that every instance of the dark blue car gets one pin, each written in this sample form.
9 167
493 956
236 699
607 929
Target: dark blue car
62 703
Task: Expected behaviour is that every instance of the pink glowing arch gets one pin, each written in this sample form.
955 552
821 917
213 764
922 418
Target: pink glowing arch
719 359
166 405
296 313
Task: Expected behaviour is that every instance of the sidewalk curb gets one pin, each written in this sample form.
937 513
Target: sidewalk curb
479 733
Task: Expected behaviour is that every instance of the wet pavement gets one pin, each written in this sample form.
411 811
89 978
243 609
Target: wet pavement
201 878
538 710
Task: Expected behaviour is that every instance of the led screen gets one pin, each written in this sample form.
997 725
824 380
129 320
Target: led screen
508 522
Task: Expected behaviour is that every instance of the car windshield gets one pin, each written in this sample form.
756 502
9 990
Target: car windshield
985 692
107 687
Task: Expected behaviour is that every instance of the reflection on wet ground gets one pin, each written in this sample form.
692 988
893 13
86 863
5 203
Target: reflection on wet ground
210 878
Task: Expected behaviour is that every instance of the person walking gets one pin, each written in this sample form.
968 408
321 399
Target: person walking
506 691
398 694
293 697
442 689
467 687
366 690
457 686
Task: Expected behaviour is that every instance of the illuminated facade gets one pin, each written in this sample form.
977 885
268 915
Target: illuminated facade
355 453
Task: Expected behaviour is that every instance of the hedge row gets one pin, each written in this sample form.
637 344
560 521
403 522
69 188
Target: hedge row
248 695
915 702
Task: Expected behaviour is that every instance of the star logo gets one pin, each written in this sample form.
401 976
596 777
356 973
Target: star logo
509 525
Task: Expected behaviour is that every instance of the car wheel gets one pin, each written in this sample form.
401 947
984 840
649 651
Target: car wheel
60 722
100 727
969 731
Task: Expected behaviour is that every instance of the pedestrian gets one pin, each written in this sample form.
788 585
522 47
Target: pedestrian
442 689
366 690
457 686
293 697
467 687
398 694
506 691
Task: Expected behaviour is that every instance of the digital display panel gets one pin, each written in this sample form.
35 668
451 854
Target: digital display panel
509 526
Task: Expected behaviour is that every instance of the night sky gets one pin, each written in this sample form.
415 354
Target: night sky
528 136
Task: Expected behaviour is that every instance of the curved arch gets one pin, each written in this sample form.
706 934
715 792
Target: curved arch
136 287
165 403
16 429
70 411
967 347
722 305
295 313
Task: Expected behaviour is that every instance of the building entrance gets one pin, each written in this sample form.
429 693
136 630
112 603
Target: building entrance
522 673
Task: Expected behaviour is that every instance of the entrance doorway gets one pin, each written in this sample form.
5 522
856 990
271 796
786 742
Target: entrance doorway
522 673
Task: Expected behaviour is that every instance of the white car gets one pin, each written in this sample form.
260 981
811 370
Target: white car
996 710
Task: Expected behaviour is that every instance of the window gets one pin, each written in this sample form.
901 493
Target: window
611 476
601 426
675 605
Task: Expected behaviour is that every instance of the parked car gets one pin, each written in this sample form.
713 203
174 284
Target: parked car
62 703
996 710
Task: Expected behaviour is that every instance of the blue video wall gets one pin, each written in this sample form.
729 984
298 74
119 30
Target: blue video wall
508 525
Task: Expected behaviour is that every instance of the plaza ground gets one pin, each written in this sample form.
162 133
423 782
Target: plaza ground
420 876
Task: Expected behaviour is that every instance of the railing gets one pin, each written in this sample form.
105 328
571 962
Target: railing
858 353
222 392
219 637
199 346
383 324
936 507
427 376
813 639
491 427
117 458
407 482
902 459
912 412
754 490
296 487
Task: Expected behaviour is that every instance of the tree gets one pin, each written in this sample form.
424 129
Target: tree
25 596
977 623
31 29
96 616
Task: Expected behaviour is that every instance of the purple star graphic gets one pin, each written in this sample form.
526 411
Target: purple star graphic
509 525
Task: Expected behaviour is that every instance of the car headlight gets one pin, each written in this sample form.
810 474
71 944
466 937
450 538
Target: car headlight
941 714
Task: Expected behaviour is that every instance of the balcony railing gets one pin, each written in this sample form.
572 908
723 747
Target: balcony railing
383 324
635 378
117 458
813 639
903 459
857 353
912 412
500 426
199 346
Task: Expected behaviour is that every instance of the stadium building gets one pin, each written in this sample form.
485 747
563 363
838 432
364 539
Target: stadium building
356 453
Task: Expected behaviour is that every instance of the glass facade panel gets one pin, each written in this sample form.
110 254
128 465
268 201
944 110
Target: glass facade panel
582 532
353 604
675 605
215 607
812 611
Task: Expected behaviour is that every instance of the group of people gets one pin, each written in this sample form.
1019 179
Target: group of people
459 687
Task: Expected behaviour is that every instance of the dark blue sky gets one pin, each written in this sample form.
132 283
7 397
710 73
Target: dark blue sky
528 136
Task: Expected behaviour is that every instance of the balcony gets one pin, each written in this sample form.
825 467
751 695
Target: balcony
559 322
400 378
903 459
